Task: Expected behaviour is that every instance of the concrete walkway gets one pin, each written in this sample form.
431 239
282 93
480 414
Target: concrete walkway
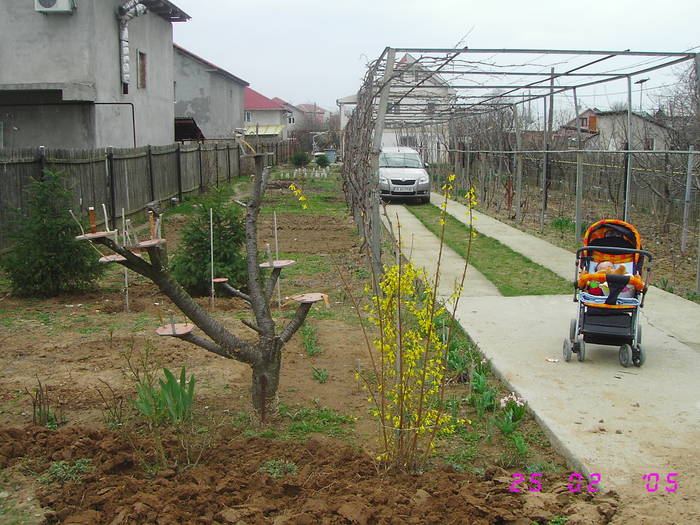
422 247
619 422
678 317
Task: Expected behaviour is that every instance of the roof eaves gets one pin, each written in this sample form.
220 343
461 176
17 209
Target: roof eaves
166 10
214 68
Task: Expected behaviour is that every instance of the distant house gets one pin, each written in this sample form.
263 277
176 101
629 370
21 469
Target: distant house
87 74
263 116
207 98
607 130
295 117
315 117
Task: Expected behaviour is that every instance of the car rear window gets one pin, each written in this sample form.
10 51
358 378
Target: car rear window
399 160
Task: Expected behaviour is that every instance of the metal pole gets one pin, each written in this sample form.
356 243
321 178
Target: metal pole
375 221
151 175
628 167
518 165
544 166
579 174
686 205
697 274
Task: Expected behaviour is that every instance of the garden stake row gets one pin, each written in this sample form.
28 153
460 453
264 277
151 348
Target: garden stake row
263 355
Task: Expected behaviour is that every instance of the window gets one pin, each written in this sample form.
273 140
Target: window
141 66
290 119
247 116
175 91
649 143
583 122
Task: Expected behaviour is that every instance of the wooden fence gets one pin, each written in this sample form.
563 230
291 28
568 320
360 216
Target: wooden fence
126 179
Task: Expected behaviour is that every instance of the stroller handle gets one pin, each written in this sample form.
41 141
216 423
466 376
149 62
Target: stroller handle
612 249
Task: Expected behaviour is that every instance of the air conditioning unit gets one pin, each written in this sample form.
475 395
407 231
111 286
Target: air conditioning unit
54 6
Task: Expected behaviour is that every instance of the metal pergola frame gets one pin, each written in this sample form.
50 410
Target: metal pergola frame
463 99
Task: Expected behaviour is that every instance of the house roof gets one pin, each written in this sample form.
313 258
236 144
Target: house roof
312 108
167 10
255 100
213 67
285 103
187 129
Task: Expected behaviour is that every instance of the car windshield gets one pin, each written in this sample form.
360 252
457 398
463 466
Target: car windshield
400 160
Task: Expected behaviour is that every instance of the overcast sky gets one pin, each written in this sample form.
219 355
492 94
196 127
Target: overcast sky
311 51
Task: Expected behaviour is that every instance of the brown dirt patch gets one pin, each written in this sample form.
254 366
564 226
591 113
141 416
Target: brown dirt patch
334 484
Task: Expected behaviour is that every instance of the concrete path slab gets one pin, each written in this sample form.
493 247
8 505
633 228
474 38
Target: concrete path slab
619 422
671 313
422 247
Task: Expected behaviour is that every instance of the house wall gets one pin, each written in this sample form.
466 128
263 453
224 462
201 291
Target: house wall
65 126
266 117
78 54
613 133
215 102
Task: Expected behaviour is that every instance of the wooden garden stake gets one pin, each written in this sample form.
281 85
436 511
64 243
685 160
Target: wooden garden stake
277 256
126 270
91 218
104 212
152 224
211 252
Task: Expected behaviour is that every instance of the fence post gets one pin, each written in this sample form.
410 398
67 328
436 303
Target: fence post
201 176
238 164
216 158
151 177
686 204
41 158
112 189
228 162
178 157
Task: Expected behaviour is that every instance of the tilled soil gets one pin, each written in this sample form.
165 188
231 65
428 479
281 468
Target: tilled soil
335 483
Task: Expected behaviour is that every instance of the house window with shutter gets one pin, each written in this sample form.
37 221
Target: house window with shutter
583 122
247 116
649 143
141 66
290 119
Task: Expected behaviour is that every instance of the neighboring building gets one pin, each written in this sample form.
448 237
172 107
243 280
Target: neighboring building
263 116
87 74
422 94
295 118
607 130
207 97
315 117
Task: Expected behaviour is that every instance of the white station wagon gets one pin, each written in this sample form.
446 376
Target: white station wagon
402 175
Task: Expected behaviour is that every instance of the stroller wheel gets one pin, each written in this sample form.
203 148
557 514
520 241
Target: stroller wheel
625 355
581 350
567 350
639 356
572 330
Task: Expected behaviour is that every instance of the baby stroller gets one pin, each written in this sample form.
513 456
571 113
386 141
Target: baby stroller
610 294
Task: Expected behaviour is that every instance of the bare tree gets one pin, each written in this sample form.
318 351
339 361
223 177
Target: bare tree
264 355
